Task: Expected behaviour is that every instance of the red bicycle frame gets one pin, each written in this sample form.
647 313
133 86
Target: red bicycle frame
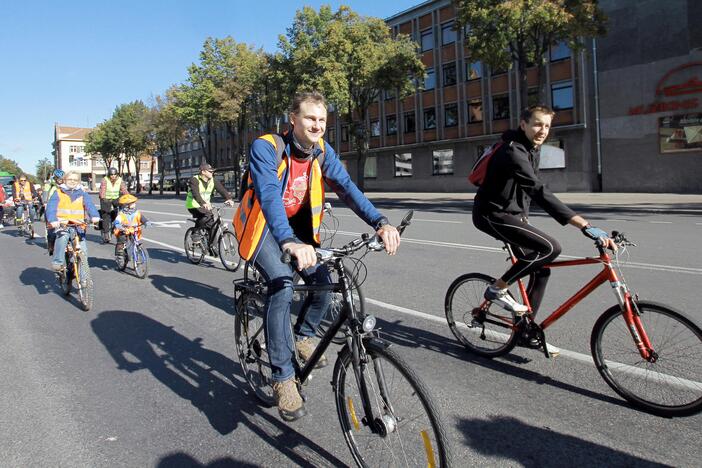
608 273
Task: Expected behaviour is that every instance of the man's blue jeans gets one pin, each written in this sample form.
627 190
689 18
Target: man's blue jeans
279 278
62 238
20 210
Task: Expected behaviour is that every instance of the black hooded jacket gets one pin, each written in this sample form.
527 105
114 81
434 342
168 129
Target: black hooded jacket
512 181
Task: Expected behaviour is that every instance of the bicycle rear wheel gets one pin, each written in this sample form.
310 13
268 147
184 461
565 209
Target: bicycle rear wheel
487 331
251 348
670 386
229 251
406 429
141 262
193 249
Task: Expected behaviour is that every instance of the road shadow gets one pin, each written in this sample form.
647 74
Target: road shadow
183 460
514 443
43 280
166 255
182 288
210 381
509 364
102 263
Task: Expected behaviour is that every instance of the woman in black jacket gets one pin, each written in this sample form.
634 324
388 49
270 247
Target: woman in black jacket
501 209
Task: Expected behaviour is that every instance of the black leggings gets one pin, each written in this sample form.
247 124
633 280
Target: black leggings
532 247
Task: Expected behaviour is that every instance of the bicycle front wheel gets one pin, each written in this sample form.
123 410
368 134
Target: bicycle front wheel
86 291
336 308
229 251
141 261
486 331
193 249
670 384
405 428
251 348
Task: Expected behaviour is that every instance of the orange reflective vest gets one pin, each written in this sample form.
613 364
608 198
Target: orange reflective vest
70 210
128 223
249 221
23 193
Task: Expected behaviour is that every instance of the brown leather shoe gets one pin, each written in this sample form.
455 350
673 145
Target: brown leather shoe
288 400
306 347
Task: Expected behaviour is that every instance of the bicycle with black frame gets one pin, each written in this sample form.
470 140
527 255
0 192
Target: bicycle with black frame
77 267
224 243
386 413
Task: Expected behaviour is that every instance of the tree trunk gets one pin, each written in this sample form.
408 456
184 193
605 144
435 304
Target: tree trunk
176 167
204 147
151 177
523 88
541 74
361 141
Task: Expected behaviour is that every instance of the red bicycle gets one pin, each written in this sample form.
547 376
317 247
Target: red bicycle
649 353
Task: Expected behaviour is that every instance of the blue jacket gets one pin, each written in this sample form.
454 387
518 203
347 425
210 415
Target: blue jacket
270 190
52 205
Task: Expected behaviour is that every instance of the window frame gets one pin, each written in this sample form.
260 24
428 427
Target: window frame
434 160
560 85
426 33
470 101
449 25
388 130
405 127
444 68
447 107
394 165
428 110
494 98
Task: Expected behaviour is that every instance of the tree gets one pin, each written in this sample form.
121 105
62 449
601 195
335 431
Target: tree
167 130
132 130
9 165
520 32
44 168
350 59
103 140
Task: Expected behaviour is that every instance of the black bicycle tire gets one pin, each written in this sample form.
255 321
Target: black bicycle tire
451 320
340 337
87 289
193 260
375 348
141 251
598 329
242 351
231 267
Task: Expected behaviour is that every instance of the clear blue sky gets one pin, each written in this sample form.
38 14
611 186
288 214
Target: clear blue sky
73 62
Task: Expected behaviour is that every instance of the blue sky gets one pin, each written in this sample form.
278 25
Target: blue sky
73 62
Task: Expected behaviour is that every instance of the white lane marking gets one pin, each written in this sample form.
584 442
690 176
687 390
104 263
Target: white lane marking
173 247
661 222
167 213
169 224
482 248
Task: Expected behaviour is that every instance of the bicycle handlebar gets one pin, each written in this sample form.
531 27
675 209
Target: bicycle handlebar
374 243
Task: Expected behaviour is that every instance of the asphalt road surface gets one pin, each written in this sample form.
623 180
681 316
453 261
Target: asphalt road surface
149 377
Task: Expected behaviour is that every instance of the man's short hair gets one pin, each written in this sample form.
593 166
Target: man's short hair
307 96
529 111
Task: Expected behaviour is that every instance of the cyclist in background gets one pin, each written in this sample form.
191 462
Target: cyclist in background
501 209
110 190
281 211
69 203
3 195
50 189
198 203
127 218
24 193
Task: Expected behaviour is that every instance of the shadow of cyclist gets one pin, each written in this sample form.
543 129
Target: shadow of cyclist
165 255
183 460
511 442
43 279
182 288
209 380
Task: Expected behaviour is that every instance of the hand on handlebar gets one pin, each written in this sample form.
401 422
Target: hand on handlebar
229 202
390 237
600 236
304 253
208 206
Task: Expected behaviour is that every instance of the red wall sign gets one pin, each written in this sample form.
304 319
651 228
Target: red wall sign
680 81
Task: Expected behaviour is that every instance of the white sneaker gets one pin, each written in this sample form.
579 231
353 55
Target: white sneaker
2 226
502 298
553 350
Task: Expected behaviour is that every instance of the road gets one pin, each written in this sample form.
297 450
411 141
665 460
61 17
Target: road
149 377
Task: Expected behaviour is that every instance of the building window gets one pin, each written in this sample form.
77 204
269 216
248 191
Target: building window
559 51
403 165
532 96
429 79
442 162
429 118
562 95
427 39
474 70
451 115
448 34
475 110
391 125
375 128
410 122
370 169
344 133
500 107
331 135
449 70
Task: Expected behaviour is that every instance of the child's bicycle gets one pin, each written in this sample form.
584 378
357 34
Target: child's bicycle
25 224
650 354
386 413
77 267
133 250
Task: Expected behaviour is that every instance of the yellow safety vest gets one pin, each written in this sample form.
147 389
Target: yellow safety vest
23 193
249 221
70 210
205 193
112 190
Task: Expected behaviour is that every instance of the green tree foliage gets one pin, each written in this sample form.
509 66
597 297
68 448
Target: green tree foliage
103 142
505 32
166 131
9 165
131 122
349 58
44 168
